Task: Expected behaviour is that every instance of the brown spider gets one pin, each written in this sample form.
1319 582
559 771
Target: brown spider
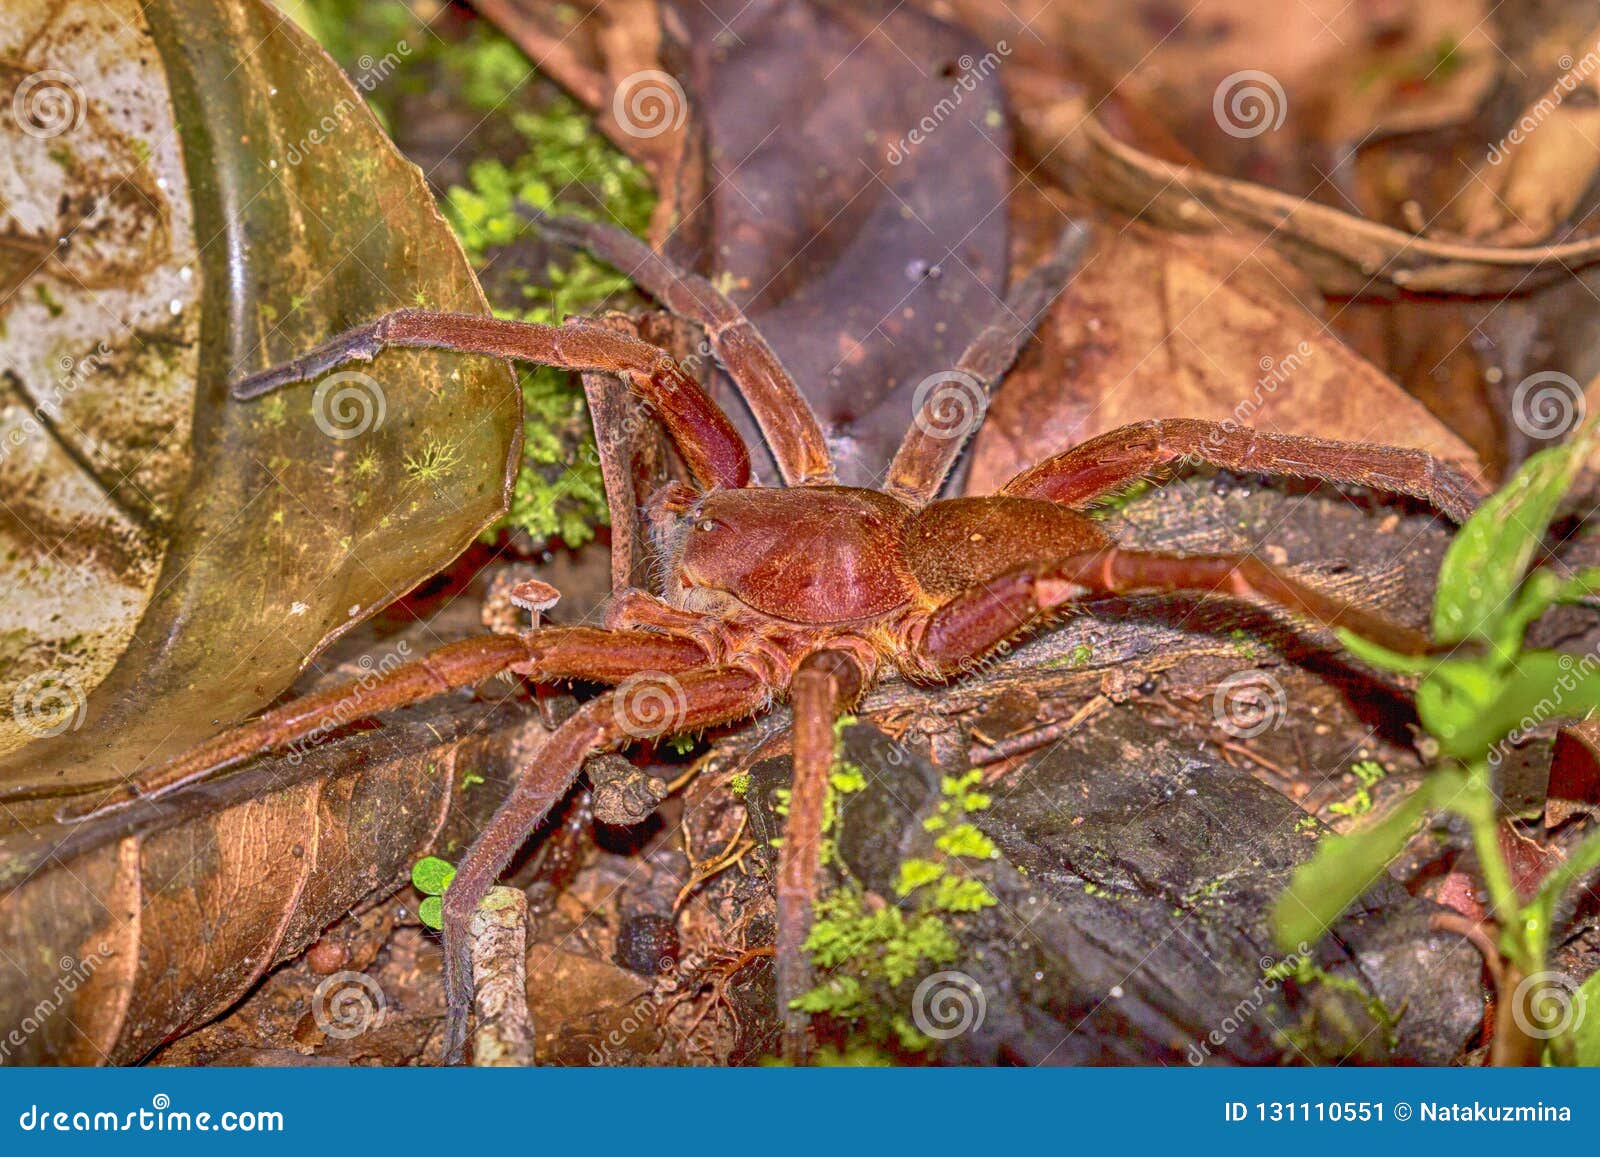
814 590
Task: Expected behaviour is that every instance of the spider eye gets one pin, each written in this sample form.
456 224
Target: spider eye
707 524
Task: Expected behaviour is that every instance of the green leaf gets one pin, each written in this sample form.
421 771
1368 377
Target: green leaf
1586 1030
431 913
431 875
1489 556
1384 659
1470 709
1543 590
1346 866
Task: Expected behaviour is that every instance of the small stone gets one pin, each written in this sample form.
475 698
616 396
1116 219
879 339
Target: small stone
327 956
648 944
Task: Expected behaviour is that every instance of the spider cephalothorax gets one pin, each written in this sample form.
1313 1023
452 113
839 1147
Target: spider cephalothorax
812 591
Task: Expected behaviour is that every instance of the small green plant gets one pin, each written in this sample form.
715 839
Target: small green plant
1368 772
431 876
1488 690
865 947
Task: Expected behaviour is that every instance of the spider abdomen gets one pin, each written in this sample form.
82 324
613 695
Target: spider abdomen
960 542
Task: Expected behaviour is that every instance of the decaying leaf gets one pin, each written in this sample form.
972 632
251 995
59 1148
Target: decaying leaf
1345 254
225 201
852 193
125 931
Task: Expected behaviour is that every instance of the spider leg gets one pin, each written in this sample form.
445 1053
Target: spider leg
660 705
1118 457
632 458
634 609
711 447
786 419
973 622
543 655
932 445
824 686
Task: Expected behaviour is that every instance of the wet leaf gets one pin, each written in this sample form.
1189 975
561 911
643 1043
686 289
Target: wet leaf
173 558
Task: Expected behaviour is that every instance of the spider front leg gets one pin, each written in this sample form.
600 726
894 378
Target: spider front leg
711 447
787 422
1115 459
932 444
824 686
981 617
648 707
546 655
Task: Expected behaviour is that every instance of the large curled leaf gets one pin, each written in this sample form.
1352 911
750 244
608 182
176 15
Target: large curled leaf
171 558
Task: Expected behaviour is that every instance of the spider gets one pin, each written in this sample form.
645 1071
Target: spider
811 591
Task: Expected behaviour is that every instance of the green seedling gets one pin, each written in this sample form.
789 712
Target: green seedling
1489 689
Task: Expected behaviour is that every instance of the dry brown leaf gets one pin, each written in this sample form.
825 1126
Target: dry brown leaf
123 932
1162 325
1346 255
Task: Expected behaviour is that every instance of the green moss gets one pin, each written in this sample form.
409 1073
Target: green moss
966 840
866 948
1326 1030
1115 503
859 943
916 873
1368 772
740 783
958 895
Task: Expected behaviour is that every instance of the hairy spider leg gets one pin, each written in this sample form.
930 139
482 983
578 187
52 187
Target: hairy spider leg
971 623
1114 459
546 655
825 685
933 443
787 422
698 699
710 446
